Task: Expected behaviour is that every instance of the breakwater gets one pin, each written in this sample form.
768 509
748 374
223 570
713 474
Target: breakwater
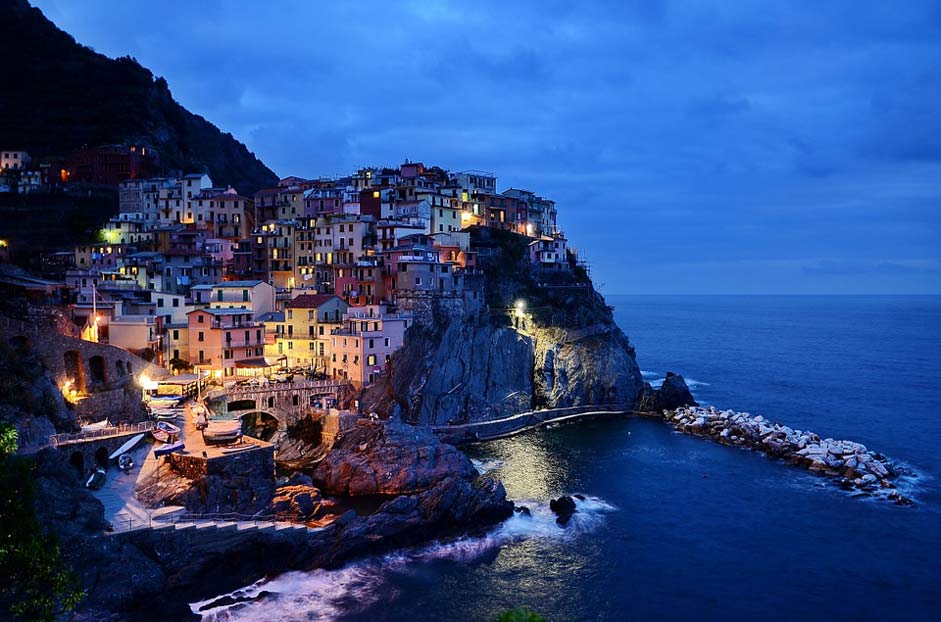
850 463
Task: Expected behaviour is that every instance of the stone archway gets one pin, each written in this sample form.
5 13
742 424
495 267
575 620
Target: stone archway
260 424
96 368
101 457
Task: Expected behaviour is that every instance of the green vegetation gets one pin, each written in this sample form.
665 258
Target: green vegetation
35 585
520 614
180 365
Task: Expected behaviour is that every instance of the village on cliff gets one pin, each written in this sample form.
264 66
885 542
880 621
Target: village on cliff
318 276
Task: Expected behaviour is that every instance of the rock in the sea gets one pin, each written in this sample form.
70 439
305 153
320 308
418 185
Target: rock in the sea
563 507
672 394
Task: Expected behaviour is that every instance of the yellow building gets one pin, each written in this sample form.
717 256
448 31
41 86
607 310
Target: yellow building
304 335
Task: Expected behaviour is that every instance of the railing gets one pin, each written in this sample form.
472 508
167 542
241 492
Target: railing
298 385
127 523
57 440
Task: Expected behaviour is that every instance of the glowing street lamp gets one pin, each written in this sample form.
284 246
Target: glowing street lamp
520 307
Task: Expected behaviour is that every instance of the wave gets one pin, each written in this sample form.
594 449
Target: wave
326 595
656 383
486 465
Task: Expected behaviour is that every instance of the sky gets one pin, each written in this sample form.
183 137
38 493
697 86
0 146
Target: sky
692 147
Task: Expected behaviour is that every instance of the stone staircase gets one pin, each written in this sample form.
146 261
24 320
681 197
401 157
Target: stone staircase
175 518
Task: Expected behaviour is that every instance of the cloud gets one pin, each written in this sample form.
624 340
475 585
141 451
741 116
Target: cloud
667 131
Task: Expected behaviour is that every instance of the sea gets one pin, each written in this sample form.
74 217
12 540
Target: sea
674 527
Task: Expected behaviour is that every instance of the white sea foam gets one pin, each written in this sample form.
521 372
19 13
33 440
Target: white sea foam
647 374
487 465
325 595
656 383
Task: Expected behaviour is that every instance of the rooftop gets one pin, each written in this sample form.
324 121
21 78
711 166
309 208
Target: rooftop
310 301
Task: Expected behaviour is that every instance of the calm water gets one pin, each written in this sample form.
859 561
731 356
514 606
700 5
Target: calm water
676 527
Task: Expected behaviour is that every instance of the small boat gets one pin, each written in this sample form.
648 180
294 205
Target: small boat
222 431
126 447
126 462
169 449
165 431
91 427
166 414
96 480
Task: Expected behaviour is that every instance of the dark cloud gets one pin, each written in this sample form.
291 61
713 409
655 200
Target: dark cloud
691 146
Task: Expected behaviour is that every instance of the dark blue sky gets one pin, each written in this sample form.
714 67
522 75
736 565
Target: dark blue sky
692 147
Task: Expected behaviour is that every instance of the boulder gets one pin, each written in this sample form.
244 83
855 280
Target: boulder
389 458
563 507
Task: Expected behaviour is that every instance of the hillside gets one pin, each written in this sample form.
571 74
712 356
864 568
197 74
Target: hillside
60 95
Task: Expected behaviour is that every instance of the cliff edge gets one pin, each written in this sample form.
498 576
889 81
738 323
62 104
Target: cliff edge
536 339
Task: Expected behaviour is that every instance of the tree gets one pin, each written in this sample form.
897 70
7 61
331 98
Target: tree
520 614
35 585
177 364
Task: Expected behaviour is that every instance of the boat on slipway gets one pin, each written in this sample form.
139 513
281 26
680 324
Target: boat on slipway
222 431
169 448
165 431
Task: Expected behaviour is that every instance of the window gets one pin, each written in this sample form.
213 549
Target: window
176 302
371 359
176 334
244 295
160 303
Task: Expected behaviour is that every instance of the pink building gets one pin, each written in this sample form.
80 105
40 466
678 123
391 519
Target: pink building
362 348
222 341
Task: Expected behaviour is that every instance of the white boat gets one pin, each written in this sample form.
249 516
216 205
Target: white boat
99 425
96 480
126 447
167 415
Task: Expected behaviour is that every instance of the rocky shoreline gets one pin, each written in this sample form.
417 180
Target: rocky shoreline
851 464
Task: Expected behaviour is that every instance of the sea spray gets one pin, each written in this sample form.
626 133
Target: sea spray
324 595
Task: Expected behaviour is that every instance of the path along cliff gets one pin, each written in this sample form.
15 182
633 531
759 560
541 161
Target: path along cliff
539 339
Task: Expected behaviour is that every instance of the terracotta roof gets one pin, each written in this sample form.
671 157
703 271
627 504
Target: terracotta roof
310 301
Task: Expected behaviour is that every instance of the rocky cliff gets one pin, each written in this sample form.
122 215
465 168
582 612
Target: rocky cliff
541 340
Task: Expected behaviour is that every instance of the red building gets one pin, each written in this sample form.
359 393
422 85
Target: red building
111 164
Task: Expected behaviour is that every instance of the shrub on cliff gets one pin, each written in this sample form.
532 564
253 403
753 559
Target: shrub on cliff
34 582
520 614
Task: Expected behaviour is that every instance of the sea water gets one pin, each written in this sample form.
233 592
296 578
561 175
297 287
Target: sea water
681 528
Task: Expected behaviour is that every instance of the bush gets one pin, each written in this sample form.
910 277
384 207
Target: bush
35 584
520 614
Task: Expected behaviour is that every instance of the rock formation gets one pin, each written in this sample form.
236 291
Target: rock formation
560 347
672 394
389 458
